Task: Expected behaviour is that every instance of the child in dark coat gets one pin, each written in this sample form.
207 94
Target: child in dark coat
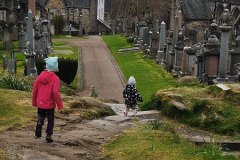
131 96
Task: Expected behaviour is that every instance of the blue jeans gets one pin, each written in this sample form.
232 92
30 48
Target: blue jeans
49 113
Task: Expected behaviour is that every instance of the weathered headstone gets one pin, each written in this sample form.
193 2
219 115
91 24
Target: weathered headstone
162 41
178 55
14 33
212 59
145 35
12 64
224 50
235 57
21 37
175 40
30 28
30 61
162 37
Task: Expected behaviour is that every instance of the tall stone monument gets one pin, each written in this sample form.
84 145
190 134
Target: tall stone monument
224 50
30 68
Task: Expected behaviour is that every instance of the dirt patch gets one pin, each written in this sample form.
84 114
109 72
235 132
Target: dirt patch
79 140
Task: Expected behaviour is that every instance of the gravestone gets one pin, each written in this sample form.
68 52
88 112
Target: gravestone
174 42
154 40
12 64
235 57
1 33
188 61
124 25
29 53
145 35
153 44
178 55
30 28
224 50
22 37
199 65
37 36
162 38
14 33
45 36
212 54
162 41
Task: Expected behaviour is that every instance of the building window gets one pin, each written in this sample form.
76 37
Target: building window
53 11
105 16
63 12
3 15
80 12
71 10
76 11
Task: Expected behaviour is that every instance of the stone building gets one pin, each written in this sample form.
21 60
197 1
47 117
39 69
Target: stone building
84 13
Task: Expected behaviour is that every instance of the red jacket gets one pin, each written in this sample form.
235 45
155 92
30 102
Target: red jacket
45 92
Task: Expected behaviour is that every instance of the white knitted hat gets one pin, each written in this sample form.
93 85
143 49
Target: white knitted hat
51 64
131 80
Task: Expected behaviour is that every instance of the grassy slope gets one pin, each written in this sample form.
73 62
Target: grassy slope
143 143
149 76
15 109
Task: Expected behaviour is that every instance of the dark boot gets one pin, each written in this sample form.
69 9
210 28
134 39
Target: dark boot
38 132
49 139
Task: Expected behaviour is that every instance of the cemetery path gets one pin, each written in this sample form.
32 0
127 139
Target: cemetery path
98 69
72 140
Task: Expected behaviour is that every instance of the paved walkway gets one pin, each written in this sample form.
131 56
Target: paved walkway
99 69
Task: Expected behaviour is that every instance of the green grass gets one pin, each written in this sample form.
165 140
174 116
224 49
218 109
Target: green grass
150 77
143 143
15 113
58 43
216 112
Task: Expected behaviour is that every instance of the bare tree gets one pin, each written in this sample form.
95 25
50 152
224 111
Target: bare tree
141 9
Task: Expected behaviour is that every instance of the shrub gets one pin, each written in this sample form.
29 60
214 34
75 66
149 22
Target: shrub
130 39
188 81
172 111
199 105
154 103
14 83
155 124
67 69
40 65
212 152
59 23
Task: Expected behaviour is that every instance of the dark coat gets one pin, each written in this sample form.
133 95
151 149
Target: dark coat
131 95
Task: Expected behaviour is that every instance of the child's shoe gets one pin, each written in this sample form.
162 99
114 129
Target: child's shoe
49 139
38 132
135 112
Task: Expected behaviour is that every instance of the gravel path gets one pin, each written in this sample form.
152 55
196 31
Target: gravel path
72 140
98 69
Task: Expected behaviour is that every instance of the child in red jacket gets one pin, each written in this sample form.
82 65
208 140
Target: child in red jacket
46 97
